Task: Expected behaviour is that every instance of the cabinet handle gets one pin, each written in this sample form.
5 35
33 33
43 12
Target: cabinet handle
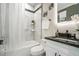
55 54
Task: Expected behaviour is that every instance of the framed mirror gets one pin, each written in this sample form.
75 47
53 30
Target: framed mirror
66 10
62 16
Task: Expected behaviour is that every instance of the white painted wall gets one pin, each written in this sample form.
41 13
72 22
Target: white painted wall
28 6
52 24
61 6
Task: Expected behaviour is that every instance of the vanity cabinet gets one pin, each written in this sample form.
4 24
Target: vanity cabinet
52 52
54 48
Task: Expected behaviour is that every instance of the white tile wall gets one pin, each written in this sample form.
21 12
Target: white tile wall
37 18
28 17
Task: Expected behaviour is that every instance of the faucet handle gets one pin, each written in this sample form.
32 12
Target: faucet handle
73 36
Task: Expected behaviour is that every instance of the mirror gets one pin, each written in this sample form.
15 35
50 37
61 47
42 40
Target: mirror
66 10
62 16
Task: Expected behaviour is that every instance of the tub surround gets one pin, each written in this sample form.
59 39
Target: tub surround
22 50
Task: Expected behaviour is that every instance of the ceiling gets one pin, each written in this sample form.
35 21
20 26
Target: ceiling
33 4
64 5
59 5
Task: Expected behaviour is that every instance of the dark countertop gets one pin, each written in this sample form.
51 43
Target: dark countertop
74 43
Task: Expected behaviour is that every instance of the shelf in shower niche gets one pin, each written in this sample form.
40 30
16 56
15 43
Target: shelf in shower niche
32 30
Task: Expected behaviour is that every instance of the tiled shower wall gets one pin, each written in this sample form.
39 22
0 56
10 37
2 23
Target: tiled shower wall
37 18
28 17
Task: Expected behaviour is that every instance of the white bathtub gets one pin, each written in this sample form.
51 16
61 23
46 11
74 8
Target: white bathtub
23 50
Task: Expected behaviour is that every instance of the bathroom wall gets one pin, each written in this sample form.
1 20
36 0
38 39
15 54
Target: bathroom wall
28 6
29 16
19 24
27 33
51 28
37 18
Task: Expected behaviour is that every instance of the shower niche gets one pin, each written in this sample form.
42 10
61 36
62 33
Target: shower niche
33 25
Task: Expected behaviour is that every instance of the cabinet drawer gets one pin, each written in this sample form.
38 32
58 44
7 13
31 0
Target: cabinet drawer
51 51
63 49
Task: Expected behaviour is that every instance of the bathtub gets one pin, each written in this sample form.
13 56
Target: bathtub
23 50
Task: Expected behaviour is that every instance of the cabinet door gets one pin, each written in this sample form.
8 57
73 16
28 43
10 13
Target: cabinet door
60 53
56 49
51 51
